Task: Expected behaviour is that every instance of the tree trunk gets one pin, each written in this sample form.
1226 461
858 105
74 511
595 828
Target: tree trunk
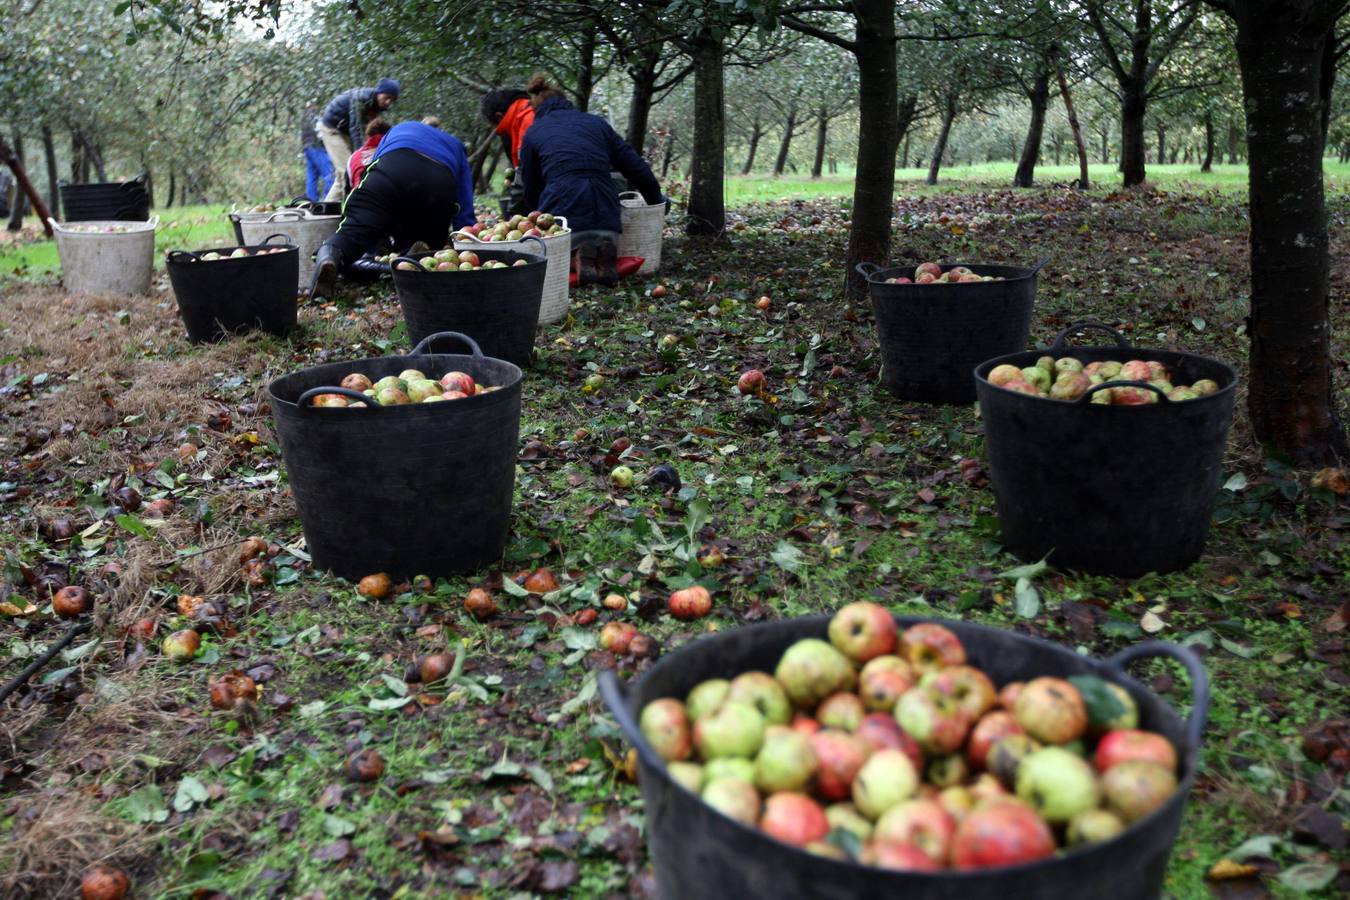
1172 157
53 178
76 154
904 117
1233 137
822 135
1079 144
1133 105
1280 47
21 176
173 186
1059 147
1208 164
640 104
944 132
1039 95
707 209
1327 80
756 132
1106 146
789 127
1161 130
20 206
670 154
904 163
585 70
869 239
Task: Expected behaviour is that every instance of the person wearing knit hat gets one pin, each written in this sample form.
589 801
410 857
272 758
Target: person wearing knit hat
342 126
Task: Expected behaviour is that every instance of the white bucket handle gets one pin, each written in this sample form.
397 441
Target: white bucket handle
286 215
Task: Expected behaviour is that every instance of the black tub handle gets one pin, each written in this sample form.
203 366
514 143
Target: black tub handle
409 259
1195 722
1086 398
1040 264
268 239
867 269
615 696
1060 338
176 256
422 344
310 394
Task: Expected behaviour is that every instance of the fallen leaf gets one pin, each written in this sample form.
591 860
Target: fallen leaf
1225 869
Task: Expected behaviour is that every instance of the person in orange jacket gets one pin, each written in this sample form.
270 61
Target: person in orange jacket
510 112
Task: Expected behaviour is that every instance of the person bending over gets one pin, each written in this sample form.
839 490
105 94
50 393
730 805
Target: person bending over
341 128
416 187
565 161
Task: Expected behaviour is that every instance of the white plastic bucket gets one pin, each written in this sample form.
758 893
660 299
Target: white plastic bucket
553 307
641 234
96 260
301 228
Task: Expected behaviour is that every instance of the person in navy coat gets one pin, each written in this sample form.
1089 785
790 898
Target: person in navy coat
565 162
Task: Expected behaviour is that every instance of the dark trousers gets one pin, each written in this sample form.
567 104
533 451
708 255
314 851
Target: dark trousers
404 197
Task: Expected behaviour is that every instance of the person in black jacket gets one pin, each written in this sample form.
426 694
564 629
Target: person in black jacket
343 123
565 161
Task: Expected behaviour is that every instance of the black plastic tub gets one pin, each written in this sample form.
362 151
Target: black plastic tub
422 489
932 335
698 852
124 201
498 308
1111 490
221 297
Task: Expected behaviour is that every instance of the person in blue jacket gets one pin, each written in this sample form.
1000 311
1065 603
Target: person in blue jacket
416 187
565 163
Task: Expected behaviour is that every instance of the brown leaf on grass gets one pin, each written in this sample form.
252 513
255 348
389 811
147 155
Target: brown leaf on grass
1324 827
1338 620
1081 619
551 877
335 852
330 797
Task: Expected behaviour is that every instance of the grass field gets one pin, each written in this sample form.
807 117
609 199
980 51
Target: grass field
206 225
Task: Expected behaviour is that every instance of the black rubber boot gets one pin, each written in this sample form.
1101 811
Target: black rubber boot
607 263
587 273
327 262
368 269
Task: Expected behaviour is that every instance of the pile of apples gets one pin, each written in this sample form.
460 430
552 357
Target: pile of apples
1067 378
239 253
408 386
888 747
536 224
931 273
450 260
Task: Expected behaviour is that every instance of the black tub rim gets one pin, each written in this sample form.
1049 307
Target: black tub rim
1121 346
295 406
176 256
876 274
616 695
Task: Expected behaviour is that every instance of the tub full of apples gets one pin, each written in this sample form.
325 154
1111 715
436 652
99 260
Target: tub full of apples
1107 459
402 464
230 290
935 323
511 233
491 295
870 755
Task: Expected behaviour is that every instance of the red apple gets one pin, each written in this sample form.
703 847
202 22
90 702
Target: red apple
794 819
934 721
1051 710
1001 833
1130 744
104 883
971 689
458 381
922 823
840 756
880 731
690 603
863 631
991 728
751 382
881 689
929 646
1007 695
1135 788
616 636
804 723
666 727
